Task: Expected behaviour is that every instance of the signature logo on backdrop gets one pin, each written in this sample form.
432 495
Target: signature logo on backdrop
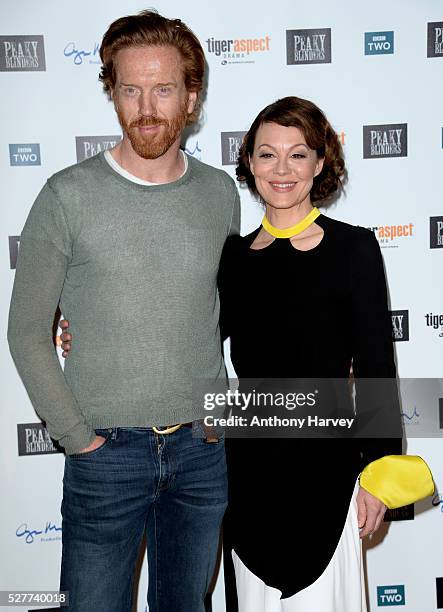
391 595
46 534
435 39
390 140
79 54
308 46
194 150
24 53
400 325
411 417
437 501
379 43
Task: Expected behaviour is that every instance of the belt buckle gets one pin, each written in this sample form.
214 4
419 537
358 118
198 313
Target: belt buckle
168 430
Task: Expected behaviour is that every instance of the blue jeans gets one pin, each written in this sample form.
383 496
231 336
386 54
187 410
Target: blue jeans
174 487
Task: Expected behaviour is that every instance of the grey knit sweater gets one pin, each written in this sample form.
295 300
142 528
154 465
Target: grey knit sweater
134 269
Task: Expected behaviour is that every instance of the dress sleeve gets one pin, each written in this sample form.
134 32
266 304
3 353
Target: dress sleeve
377 401
44 256
225 281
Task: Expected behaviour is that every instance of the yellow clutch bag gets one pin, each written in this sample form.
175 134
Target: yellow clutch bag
398 480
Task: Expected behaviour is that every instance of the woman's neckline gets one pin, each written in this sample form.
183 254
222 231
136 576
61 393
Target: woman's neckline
286 242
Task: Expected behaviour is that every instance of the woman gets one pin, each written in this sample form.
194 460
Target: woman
311 304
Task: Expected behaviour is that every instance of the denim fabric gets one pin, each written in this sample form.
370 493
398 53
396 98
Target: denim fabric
172 486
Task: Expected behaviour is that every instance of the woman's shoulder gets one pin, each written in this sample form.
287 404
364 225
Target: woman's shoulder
235 242
353 236
342 227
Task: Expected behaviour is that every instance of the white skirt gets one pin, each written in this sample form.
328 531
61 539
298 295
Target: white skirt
340 588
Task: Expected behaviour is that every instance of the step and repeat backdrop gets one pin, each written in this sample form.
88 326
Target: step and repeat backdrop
376 69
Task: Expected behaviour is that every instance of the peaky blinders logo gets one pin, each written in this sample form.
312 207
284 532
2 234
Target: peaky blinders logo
436 232
389 140
33 439
400 325
24 53
435 39
308 46
88 146
230 145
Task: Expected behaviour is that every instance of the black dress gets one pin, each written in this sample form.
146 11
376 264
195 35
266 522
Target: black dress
288 314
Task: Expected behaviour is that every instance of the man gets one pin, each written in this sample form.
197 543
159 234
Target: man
129 237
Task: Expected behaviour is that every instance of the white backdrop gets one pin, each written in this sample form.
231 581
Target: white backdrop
394 78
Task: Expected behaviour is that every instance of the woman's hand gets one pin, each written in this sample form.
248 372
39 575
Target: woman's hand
65 339
370 512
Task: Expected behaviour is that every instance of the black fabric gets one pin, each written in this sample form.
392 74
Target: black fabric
292 314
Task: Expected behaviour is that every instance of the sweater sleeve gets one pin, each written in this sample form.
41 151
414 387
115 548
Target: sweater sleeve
235 219
377 401
44 255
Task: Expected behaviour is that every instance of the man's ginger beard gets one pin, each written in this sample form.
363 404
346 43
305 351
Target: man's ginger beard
151 146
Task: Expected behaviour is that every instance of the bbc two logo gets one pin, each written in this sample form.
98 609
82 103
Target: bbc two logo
24 154
391 595
379 43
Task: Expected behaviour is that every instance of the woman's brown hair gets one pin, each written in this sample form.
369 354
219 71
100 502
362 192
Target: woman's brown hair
319 136
148 28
